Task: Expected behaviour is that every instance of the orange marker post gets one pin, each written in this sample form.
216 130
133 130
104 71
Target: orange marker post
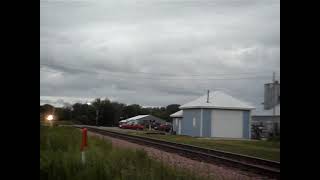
84 144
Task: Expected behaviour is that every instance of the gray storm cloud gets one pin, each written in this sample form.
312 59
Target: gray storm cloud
157 52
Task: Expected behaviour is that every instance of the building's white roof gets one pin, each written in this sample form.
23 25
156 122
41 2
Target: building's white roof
177 114
136 117
217 100
125 120
262 112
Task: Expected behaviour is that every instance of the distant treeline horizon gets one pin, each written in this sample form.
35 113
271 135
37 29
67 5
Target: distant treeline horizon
108 112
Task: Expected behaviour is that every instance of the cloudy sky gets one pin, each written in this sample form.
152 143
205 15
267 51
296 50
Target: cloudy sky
157 52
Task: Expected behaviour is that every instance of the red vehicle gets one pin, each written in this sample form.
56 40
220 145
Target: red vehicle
125 126
121 124
164 127
132 125
137 127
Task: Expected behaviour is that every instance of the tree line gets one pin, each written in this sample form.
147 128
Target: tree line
104 112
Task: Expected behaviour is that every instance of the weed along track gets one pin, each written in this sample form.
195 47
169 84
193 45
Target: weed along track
175 161
61 158
245 163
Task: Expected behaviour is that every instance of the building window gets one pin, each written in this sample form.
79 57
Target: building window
176 122
194 122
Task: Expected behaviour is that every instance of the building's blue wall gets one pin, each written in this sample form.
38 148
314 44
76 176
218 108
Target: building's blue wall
187 122
246 127
206 126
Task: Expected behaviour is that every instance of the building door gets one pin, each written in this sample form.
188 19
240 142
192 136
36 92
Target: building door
227 123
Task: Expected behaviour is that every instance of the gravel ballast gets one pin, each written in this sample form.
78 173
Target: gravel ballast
174 160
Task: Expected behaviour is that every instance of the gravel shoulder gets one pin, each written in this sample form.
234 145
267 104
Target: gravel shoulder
174 160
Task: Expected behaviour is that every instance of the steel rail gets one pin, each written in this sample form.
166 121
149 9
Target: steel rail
244 162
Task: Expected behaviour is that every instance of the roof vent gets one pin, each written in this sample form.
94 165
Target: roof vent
208 96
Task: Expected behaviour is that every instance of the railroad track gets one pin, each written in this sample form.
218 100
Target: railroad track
243 162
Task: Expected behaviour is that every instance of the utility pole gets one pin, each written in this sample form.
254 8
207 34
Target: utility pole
97 115
97 111
274 101
71 113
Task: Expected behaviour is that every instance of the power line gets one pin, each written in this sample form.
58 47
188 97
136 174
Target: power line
46 70
165 74
139 77
170 74
173 86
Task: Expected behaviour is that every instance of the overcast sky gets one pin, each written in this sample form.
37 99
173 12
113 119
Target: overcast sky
157 52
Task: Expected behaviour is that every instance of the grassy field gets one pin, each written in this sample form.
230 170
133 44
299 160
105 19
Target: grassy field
60 158
262 149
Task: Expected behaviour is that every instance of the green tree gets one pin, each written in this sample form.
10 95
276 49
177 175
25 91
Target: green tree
132 110
46 109
97 104
106 113
172 108
118 112
82 113
109 113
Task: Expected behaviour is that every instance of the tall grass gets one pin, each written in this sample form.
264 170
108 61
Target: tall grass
60 159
